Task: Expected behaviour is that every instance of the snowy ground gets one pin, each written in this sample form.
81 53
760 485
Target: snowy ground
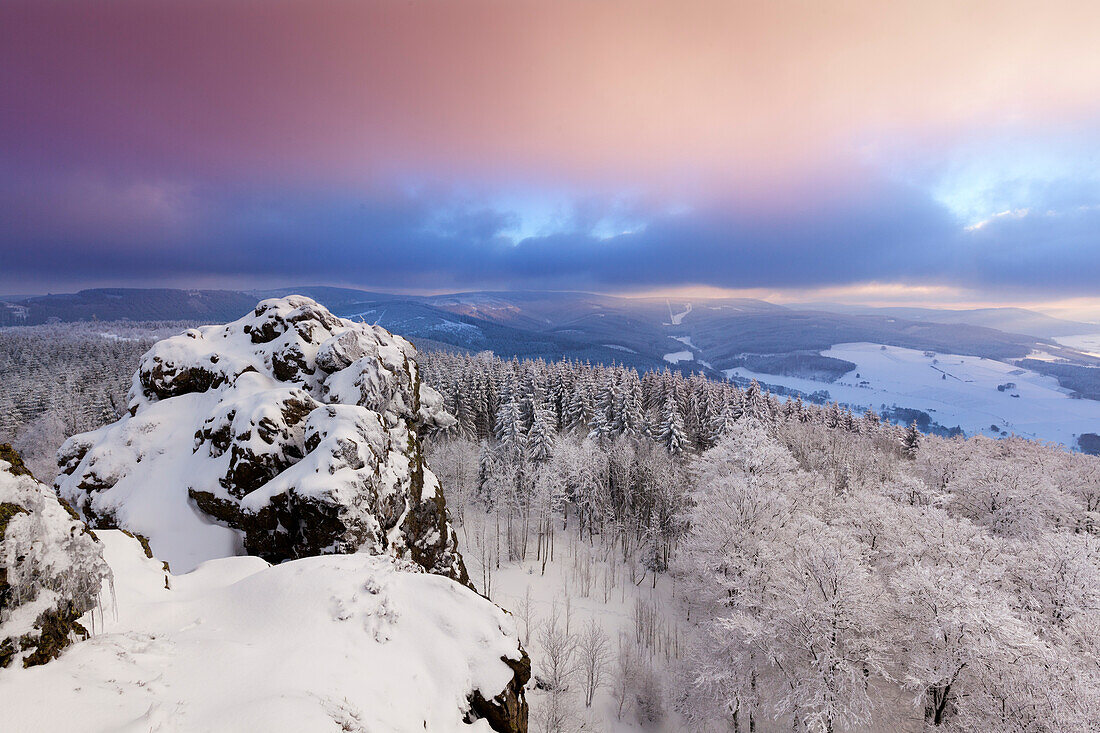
587 583
678 356
954 390
1088 343
677 318
333 643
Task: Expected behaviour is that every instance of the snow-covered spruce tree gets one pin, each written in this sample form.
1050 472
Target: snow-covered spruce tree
673 434
578 413
509 428
540 440
51 568
910 444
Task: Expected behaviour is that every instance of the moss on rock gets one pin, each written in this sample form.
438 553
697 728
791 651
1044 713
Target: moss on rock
9 454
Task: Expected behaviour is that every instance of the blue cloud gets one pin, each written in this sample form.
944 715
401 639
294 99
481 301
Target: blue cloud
434 238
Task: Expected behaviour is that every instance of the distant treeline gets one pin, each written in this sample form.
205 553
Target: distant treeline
1083 380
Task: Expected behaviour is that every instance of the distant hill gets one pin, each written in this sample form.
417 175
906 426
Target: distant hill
114 304
708 335
1011 320
331 297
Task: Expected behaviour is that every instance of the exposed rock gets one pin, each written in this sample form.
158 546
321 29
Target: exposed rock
51 568
16 467
508 710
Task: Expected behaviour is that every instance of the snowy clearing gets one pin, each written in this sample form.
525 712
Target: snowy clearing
678 318
678 356
685 340
1088 343
456 328
954 390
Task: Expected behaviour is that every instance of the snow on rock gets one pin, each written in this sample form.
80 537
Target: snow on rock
285 434
330 643
51 569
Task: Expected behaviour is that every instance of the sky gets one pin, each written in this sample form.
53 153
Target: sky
941 153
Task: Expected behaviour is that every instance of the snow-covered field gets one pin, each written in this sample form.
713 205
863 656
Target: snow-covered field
456 328
1088 343
677 318
678 356
332 643
953 390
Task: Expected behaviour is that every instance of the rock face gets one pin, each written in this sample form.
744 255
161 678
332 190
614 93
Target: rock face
297 431
506 711
51 568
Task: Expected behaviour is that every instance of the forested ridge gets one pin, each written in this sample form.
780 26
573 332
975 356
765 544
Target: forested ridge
831 571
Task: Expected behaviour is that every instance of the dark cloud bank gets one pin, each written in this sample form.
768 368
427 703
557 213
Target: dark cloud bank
435 239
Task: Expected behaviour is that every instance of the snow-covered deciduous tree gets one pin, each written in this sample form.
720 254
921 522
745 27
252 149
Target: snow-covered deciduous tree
624 675
557 671
592 656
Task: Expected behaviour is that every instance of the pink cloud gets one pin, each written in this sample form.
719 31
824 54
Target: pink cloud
568 91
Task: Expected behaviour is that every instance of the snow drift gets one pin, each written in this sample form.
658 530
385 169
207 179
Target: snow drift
333 643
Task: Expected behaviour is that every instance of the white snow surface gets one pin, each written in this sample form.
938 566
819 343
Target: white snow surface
1088 343
968 397
678 318
678 356
151 476
333 643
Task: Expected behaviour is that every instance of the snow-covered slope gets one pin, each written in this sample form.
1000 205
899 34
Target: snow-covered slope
953 390
1088 343
287 433
334 643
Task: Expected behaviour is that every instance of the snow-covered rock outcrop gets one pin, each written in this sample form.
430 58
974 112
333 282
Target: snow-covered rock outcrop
51 568
293 437
288 433
332 643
